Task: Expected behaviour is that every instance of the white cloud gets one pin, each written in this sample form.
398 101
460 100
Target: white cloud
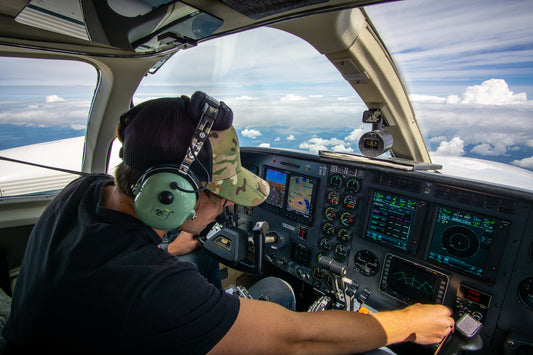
342 149
490 92
291 137
315 144
277 139
264 145
54 98
55 112
454 147
292 98
78 127
524 163
356 134
251 133
486 149
492 130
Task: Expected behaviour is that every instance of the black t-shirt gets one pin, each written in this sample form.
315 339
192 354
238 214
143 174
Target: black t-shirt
94 280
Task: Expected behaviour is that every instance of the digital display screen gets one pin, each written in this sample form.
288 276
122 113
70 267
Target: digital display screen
462 241
411 282
391 219
371 143
473 295
291 192
278 184
300 195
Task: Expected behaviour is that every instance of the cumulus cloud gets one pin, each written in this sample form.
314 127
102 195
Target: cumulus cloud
250 133
485 129
54 98
454 147
342 149
524 163
490 92
355 135
291 137
486 149
316 144
264 145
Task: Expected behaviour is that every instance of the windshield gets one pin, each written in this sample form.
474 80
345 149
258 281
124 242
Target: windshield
467 67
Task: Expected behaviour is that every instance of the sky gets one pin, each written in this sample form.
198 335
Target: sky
467 66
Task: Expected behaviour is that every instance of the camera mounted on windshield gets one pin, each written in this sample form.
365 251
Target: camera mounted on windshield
377 141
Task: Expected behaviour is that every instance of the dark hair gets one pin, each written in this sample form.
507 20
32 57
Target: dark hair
157 132
126 177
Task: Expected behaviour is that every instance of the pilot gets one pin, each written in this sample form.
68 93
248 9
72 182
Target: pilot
94 279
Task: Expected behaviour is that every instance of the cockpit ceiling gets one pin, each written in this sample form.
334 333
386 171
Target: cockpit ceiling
151 26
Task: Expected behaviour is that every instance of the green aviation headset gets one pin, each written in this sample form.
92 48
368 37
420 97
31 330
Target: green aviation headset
165 195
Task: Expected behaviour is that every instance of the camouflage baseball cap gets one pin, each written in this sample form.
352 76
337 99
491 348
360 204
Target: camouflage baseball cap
230 180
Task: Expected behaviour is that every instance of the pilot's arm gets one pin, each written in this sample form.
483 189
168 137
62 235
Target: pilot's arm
267 328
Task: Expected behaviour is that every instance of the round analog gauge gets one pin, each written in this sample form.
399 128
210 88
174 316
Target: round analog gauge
336 180
353 184
347 219
330 213
344 234
334 197
328 229
341 252
350 202
366 263
325 244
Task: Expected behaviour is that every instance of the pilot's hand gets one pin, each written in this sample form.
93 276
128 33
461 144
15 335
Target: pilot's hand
184 243
429 323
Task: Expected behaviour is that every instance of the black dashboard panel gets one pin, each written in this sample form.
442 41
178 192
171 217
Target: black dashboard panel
404 236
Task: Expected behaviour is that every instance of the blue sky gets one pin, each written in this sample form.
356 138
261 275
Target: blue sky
467 65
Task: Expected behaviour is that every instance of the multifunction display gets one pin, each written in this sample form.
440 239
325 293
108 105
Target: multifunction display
411 282
391 219
292 193
465 242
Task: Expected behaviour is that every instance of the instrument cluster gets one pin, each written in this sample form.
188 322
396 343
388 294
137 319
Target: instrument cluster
402 236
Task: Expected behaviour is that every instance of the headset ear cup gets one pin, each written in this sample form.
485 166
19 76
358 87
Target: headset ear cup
160 204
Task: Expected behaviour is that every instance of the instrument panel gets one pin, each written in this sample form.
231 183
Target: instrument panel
404 236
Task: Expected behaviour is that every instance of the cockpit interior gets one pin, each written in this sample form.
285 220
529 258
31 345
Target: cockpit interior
363 232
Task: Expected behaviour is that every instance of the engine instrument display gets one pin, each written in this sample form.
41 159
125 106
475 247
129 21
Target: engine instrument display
391 219
291 192
410 282
465 242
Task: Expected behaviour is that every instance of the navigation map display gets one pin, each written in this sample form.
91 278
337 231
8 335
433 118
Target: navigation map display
391 219
300 196
463 241
292 193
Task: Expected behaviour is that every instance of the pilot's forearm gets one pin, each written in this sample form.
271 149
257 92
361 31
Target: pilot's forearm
267 328
264 327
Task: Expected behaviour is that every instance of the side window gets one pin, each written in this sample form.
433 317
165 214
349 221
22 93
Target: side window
44 106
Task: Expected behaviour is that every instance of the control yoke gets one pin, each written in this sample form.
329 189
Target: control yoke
230 247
